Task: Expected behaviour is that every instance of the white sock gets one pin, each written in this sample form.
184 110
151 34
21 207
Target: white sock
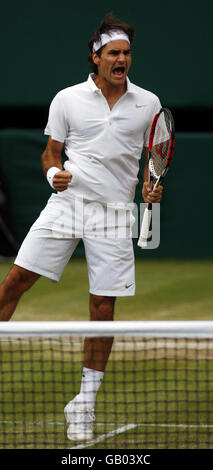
91 381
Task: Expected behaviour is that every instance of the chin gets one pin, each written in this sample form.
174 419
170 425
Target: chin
119 81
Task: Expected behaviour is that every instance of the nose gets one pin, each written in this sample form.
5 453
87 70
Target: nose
121 58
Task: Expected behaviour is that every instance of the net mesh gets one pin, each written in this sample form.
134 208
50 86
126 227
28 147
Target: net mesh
160 144
156 393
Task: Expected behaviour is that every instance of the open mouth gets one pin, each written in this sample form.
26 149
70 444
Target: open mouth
118 72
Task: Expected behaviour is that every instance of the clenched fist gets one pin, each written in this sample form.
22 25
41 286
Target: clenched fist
61 180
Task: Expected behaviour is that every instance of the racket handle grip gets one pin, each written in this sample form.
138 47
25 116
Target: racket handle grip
144 233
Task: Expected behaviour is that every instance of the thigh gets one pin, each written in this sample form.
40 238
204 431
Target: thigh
110 264
50 243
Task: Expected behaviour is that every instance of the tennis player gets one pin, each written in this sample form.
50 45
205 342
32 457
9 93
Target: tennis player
103 125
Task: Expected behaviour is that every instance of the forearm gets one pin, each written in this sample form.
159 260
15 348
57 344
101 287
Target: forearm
149 195
49 159
52 158
146 165
146 173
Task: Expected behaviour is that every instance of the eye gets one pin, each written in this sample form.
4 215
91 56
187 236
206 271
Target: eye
114 53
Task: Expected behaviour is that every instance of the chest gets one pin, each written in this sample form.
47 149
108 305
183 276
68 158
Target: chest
90 117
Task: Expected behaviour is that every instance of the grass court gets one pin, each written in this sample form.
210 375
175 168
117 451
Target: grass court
153 396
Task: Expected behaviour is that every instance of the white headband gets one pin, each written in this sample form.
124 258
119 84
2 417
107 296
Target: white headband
111 36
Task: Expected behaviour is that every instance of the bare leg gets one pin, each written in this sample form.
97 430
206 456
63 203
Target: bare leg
97 350
16 283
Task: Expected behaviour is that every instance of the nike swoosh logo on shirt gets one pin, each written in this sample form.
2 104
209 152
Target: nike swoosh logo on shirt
127 286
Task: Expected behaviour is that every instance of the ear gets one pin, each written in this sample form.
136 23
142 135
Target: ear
95 58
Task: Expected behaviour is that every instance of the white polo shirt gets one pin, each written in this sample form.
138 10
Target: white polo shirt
103 146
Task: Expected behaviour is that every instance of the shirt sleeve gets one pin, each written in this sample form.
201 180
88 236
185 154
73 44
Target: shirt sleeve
57 124
155 109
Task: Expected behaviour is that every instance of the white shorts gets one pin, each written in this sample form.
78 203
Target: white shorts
54 236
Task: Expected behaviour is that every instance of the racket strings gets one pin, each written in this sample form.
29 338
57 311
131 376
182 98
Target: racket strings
160 145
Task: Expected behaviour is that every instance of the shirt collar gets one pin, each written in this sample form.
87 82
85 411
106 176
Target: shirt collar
95 89
92 84
130 88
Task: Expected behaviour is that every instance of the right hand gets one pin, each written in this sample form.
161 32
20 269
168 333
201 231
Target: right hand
61 180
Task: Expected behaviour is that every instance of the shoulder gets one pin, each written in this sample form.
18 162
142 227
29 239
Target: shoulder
70 91
147 96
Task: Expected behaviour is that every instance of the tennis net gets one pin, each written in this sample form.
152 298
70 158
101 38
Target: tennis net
157 390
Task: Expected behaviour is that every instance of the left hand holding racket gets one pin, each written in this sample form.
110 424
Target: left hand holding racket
161 147
151 195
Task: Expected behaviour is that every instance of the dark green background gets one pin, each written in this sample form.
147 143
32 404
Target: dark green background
44 49
186 220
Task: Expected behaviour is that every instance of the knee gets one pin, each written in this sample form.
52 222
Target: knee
102 308
18 281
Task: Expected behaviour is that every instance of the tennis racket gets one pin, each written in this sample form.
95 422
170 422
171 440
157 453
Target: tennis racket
161 148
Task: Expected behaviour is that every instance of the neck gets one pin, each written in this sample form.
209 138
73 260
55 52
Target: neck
111 92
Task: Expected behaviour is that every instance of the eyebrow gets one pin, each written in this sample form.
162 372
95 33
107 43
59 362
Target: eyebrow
119 50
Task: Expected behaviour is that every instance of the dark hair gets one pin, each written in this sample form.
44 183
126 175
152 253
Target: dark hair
109 23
